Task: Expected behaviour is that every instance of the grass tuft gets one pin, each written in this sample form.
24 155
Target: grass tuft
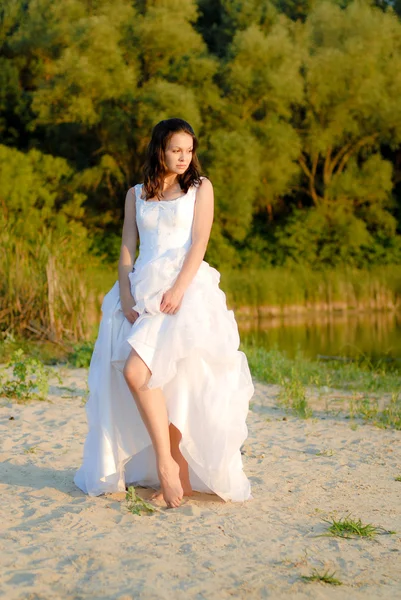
30 450
325 577
325 452
293 396
368 409
349 528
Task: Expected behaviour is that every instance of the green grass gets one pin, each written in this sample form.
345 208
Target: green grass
30 379
272 366
325 577
350 528
397 478
293 396
30 450
294 375
368 409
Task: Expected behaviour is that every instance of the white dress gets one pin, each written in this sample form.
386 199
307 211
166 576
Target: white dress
192 355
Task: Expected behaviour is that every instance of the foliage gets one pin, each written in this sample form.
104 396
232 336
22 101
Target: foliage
135 504
45 248
30 378
81 355
297 112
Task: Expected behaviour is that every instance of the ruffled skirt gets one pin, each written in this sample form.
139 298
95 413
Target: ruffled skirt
193 357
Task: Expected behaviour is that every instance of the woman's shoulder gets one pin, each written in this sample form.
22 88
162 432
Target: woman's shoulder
204 192
135 191
203 182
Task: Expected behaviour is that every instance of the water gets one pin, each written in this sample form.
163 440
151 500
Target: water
377 335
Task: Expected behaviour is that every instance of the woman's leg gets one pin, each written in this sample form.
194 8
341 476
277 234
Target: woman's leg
152 408
175 437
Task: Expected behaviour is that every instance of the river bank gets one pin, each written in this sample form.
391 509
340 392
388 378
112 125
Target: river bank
47 300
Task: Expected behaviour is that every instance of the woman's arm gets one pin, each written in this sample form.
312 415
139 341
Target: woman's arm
127 256
201 228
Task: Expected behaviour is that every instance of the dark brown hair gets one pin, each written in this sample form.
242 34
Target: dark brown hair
155 168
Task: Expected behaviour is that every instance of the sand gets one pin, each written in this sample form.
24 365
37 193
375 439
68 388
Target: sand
55 542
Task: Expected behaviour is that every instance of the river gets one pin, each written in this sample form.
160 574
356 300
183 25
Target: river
377 335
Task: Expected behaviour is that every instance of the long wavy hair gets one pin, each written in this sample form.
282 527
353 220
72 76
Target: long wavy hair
155 168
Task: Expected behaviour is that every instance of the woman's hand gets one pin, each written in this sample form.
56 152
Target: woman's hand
171 301
127 302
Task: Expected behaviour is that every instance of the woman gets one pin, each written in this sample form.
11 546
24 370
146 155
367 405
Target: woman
169 389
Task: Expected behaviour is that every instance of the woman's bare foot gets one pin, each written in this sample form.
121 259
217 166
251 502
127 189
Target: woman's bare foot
171 488
185 483
158 494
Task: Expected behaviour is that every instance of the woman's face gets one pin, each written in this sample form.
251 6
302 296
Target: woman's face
178 154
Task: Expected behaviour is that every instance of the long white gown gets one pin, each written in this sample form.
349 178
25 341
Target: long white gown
193 357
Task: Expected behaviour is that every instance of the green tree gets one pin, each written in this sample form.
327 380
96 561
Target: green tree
351 108
296 106
221 20
95 78
352 91
261 82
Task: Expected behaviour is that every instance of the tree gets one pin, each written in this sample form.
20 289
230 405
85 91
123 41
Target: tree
351 108
262 82
296 106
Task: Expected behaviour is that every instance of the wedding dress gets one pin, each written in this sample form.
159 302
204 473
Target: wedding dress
192 355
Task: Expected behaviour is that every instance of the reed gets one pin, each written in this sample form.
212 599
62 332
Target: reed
46 288
52 288
258 292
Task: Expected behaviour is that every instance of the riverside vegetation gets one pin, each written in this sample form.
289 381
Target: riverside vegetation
299 122
357 391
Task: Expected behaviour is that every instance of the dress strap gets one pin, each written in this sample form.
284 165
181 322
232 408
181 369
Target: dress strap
137 192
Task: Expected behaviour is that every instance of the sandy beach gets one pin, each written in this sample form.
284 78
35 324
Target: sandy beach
57 543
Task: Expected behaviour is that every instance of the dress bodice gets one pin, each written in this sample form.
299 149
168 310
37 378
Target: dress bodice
163 225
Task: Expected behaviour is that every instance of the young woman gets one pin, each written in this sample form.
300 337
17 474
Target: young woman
169 389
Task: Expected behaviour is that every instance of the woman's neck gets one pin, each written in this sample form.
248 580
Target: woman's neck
170 181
